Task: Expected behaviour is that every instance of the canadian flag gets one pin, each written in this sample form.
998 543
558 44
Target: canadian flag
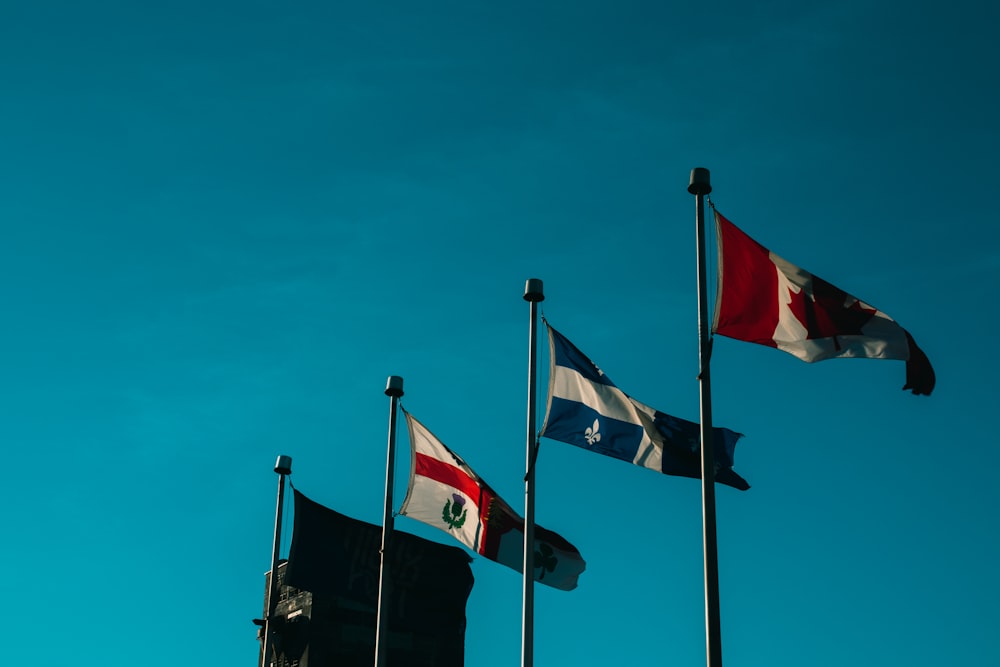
765 299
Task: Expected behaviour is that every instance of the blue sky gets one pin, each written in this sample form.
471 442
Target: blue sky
225 224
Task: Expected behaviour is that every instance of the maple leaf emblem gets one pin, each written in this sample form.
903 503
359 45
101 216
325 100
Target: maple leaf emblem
823 310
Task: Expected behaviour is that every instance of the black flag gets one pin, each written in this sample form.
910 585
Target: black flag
336 559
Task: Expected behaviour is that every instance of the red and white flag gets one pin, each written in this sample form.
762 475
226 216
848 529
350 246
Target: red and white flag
446 493
764 299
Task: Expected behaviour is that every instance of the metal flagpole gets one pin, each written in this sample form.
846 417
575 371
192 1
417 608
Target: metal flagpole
393 389
700 186
283 466
532 294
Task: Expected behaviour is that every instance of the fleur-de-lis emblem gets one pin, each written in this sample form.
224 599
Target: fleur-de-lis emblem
545 559
454 514
591 434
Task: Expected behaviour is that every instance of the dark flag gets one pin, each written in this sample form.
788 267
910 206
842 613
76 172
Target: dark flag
336 559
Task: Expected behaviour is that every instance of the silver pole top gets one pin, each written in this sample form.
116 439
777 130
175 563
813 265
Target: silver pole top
394 386
701 183
283 466
533 290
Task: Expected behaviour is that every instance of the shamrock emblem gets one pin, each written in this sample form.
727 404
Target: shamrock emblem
545 559
454 514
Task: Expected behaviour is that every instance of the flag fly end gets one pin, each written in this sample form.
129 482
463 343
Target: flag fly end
920 378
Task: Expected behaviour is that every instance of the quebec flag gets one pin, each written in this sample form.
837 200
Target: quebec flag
586 409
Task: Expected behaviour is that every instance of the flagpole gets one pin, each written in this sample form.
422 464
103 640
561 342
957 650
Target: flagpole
533 294
283 466
393 389
700 186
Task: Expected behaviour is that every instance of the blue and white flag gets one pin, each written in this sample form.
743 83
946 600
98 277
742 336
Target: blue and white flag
586 409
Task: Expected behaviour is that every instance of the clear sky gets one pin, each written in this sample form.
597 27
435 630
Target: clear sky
226 223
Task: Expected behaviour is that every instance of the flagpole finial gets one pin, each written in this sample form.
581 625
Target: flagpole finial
283 466
533 290
701 183
394 386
